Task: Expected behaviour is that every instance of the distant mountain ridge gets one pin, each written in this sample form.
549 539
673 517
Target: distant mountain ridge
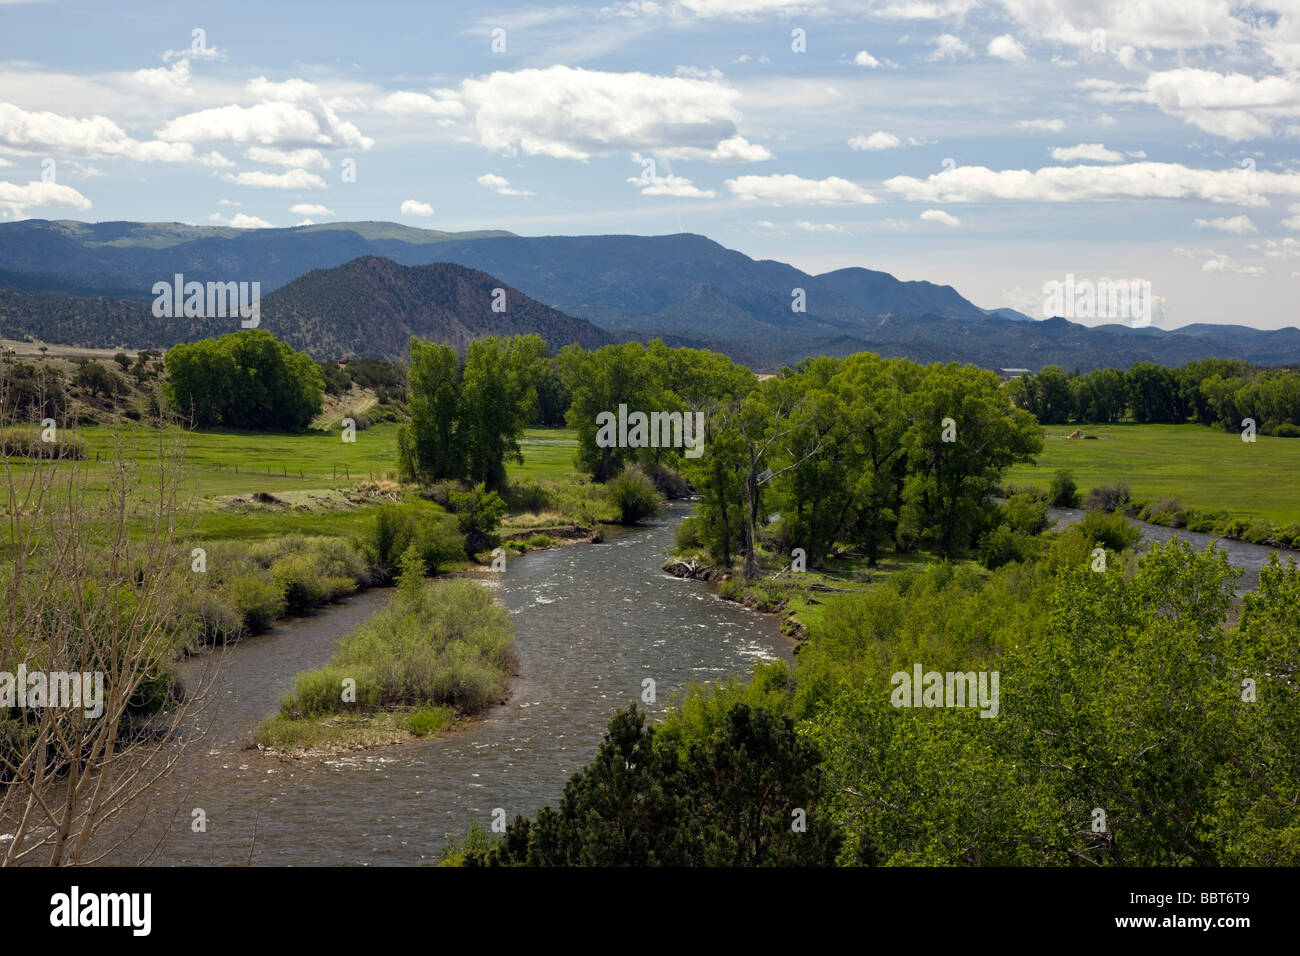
367 307
685 288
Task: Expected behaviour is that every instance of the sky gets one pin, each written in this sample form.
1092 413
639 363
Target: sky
996 146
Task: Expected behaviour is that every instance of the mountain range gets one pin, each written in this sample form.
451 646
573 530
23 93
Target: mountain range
365 288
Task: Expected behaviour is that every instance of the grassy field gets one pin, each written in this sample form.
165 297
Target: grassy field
1202 467
314 476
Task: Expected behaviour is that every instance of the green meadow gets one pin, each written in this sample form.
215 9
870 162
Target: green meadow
322 484
1202 467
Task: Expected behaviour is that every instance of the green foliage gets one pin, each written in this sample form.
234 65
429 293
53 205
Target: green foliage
246 379
397 527
1025 515
1063 491
478 515
1111 531
429 720
439 643
730 793
467 422
634 495
260 601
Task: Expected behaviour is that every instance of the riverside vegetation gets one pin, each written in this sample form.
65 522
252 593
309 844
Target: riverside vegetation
1146 716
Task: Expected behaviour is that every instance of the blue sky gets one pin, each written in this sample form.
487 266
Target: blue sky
994 145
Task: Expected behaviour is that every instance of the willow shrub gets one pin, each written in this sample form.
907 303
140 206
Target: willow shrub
438 643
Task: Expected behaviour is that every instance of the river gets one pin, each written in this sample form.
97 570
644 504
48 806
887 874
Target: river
591 622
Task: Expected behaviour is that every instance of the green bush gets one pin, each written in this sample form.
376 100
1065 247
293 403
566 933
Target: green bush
399 526
430 719
1001 546
1111 531
1286 430
1063 492
300 581
687 535
478 514
1023 514
634 495
441 643
215 620
259 600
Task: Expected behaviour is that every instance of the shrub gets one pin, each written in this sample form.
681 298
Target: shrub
1025 515
1259 532
1001 546
528 496
634 495
1286 430
1063 492
1108 498
215 620
428 720
478 514
687 535
300 581
399 526
259 600
1109 530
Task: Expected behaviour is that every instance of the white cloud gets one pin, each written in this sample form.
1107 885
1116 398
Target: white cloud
289 179
781 189
305 222
32 132
863 58
1006 47
226 202
1287 248
1293 221
737 149
671 186
1241 225
948 47
570 113
1157 24
305 158
501 185
876 141
817 226
1232 105
292 114
413 207
1085 151
310 209
1093 183
242 221
938 215
405 103
18 199
173 79
1223 263
4 162
1049 125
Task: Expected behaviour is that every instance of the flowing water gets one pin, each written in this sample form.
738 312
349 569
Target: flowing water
591 622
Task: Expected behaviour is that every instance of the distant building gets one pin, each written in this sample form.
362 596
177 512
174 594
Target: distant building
1010 373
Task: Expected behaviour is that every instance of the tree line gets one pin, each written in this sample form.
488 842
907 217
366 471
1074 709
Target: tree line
1220 392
